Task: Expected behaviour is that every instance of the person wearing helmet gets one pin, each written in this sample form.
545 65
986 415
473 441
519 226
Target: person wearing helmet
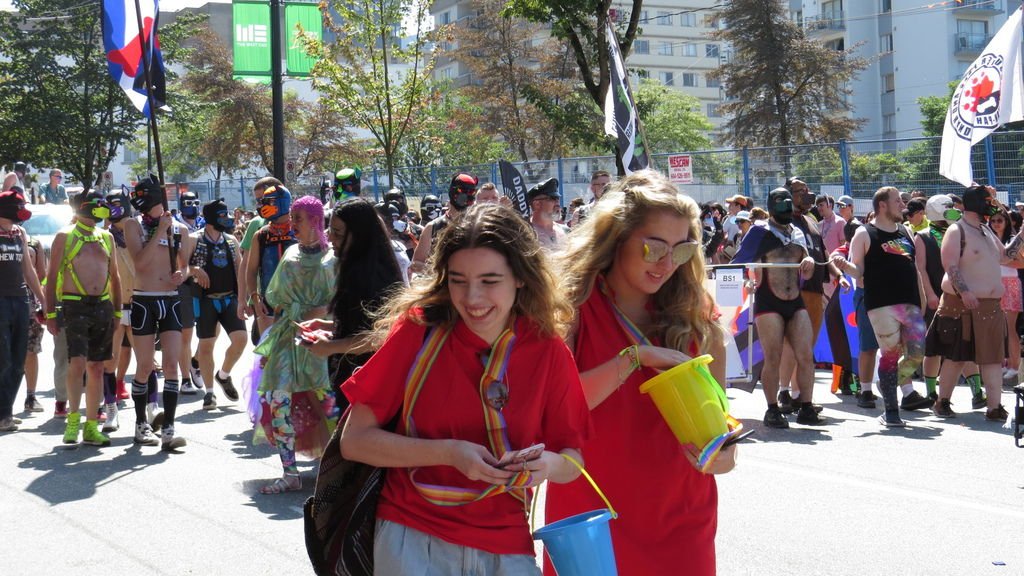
430 209
16 272
154 239
347 184
461 195
84 280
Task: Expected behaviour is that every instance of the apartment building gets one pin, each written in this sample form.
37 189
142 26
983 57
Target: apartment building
915 48
672 46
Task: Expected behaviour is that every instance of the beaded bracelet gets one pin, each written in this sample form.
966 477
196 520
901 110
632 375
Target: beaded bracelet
633 353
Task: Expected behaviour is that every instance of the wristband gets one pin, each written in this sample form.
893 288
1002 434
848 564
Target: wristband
51 315
118 314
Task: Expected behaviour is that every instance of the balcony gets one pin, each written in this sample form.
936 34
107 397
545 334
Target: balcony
970 44
825 24
980 7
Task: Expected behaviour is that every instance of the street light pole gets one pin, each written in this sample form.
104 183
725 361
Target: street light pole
277 87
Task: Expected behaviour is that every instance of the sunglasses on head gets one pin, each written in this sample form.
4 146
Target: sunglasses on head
654 250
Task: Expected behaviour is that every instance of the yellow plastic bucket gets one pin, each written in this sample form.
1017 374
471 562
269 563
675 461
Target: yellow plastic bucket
694 406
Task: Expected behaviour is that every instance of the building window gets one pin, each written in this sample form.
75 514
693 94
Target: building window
445 18
667 78
689 80
971 34
886 6
888 123
642 46
665 49
888 83
689 50
713 111
710 21
832 10
711 50
714 82
689 20
664 19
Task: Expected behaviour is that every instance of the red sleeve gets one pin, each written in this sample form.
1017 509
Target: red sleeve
380 383
566 420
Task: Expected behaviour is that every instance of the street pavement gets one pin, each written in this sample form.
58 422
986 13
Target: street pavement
848 498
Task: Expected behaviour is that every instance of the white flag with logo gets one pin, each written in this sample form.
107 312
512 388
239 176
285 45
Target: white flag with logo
989 95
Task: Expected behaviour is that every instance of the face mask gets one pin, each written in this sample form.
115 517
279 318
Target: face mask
276 202
952 215
399 225
190 208
224 223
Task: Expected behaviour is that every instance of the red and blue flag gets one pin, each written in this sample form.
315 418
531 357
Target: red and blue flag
126 47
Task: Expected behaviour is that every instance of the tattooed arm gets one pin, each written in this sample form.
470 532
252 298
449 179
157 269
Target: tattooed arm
1014 248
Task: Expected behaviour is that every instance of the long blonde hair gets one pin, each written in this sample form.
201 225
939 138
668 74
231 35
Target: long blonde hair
682 307
491 226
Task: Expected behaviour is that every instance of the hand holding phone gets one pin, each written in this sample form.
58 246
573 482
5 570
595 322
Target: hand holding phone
514 458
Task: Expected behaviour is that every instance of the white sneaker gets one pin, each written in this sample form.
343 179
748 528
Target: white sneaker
144 435
197 378
188 388
154 415
169 442
111 425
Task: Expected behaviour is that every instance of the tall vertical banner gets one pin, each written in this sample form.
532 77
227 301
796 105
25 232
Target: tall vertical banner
251 35
514 187
620 116
988 96
126 47
307 19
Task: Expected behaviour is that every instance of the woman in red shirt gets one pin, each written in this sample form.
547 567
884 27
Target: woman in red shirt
635 272
474 366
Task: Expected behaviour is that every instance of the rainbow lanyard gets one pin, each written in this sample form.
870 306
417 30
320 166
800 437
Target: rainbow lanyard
497 364
635 335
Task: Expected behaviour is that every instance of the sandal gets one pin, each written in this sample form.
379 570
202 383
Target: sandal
288 483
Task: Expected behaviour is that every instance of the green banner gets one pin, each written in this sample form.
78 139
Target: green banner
308 17
251 39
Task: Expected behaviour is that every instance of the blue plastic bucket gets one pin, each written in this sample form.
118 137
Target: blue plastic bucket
580 545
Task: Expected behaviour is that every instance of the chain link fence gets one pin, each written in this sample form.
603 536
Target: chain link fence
854 168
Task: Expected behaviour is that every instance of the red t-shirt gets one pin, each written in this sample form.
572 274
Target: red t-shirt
668 511
545 404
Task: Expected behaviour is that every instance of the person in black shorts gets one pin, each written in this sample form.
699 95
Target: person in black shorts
83 278
213 266
780 312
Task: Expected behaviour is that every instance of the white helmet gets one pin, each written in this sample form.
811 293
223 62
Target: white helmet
939 208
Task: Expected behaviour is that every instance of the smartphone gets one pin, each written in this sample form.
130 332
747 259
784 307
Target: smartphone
738 438
519 456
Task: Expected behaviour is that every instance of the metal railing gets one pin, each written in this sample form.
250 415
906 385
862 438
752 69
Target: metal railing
855 168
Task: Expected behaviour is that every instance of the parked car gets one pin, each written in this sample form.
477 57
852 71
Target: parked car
46 221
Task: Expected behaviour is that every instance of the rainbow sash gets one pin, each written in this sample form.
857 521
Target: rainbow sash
497 364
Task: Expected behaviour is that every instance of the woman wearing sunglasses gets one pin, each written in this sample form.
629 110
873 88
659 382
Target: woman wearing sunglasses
1011 303
634 270
473 367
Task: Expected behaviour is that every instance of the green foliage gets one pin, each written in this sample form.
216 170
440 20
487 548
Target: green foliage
933 111
356 73
672 120
783 88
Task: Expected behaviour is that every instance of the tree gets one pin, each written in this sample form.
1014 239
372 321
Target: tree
509 60
672 120
782 88
61 105
582 25
369 74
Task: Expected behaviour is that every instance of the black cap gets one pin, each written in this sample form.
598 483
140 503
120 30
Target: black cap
20 166
547 188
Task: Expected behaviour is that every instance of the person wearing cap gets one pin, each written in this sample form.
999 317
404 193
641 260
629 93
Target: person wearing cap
84 280
461 195
915 217
729 226
543 200
16 273
844 206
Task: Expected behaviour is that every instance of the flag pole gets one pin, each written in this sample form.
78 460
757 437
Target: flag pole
146 68
146 72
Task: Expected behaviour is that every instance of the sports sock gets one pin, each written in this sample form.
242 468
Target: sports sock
223 375
139 398
109 388
907 388
974 381
795 394
170 400
867 385
930 382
